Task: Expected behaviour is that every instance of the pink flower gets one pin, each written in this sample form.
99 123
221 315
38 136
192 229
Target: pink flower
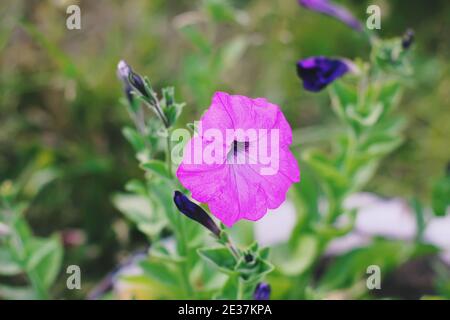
239 162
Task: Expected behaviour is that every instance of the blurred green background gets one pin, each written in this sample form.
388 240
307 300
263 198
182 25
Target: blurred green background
60 119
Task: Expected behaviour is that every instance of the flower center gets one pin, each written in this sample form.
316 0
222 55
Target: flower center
238 148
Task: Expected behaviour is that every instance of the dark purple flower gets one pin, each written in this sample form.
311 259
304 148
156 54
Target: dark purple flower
130 79
333 10
408 39
262 291
318 72
195 212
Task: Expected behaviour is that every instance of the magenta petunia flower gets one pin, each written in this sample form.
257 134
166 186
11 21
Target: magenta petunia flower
239 161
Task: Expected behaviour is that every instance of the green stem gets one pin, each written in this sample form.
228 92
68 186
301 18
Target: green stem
158 109
351 148
240 289
224 239
233 250
183 251
189 293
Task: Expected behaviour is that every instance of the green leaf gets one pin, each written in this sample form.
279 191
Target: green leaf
45 259
38 180
206 280
143 286
192 33
368 119
325 169
164 273
161 192
440 199
420 218
390 56
168 94
294 259
352 266
308 191
255 270
230 289
264 253
219 10
171 109
233 51
305 196
329 232
8 266
21 236
173 112
159 252
390 94
344 94
343 97
134 138
380 144
362 174
138 209
221 257
194 232
136 186
157 167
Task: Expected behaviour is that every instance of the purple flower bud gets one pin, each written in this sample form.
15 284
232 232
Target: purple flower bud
195 212
123 70
408 39
262 291
318 72
333 10
130 79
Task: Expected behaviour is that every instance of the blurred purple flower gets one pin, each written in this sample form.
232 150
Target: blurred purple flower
408 39
318 72
333 10
262 291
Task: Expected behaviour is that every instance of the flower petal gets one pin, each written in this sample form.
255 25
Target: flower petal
333 10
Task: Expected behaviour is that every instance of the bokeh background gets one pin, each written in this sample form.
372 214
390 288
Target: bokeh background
60 119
